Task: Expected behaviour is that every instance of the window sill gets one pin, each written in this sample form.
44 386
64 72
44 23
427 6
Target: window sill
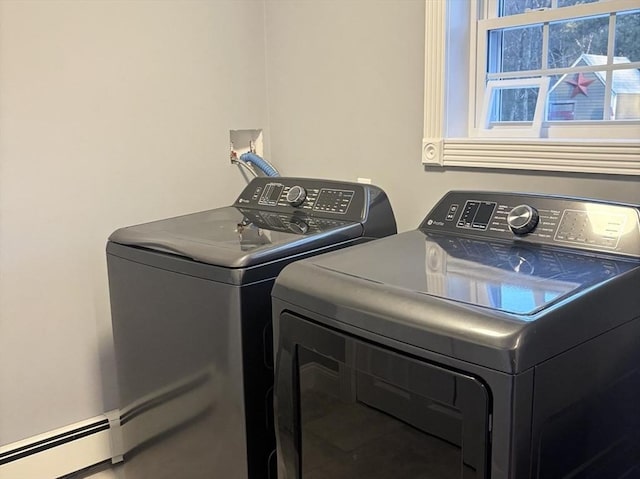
613 157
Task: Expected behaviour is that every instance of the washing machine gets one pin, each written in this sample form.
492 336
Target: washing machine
191 315
500 339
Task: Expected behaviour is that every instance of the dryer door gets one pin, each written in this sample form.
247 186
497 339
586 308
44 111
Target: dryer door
348 409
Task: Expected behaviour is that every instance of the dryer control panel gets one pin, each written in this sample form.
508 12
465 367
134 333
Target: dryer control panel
562 221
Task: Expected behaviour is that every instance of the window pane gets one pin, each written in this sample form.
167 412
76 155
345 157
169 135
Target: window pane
553 80
521 49
570 39
625 95
514 7
568 3
628 36
577 96
513 105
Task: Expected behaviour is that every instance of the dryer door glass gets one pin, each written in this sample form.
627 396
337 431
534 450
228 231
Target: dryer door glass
361 411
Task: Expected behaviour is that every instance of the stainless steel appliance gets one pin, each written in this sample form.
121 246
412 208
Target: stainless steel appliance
191 313
501 339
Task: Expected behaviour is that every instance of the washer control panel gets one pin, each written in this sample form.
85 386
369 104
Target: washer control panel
573 222
326 198
331 200
475 214
334 200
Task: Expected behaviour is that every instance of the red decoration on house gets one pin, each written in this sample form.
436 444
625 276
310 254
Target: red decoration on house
580 85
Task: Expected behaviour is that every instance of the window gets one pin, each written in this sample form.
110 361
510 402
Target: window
562 110
550 85
514 104
589 51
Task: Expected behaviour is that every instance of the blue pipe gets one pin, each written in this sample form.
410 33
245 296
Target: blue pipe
265 167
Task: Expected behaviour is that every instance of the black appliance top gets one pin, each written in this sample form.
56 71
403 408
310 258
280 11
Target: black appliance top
465 285
272 218
493 275
573 223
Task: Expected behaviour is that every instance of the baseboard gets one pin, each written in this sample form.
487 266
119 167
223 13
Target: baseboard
109 436
58 452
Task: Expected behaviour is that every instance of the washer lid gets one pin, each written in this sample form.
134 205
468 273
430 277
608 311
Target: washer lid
235 238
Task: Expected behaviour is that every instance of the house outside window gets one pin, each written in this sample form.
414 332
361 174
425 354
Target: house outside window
588 91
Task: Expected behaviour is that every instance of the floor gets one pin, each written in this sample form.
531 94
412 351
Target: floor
343 440
99 472
189 451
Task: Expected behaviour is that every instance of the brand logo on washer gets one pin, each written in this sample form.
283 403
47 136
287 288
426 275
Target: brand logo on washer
242 200
430 222
436 223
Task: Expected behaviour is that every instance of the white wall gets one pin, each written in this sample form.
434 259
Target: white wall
345 85
111 113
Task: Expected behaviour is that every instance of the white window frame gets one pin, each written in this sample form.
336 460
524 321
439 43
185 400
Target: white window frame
452 116
530 129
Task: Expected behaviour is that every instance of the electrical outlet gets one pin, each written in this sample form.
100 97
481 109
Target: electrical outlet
366 181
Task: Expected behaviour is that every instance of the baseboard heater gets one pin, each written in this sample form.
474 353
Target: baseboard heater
109 436
58 452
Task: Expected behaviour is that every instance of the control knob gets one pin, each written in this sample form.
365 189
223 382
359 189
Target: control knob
522 219
298 226
296 195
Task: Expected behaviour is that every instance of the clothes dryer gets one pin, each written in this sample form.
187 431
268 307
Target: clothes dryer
501 339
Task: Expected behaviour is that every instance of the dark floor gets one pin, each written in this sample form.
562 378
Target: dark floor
349 440
190 452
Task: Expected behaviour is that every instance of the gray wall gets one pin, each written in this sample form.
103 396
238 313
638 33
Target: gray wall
115 113
112 113
345 100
